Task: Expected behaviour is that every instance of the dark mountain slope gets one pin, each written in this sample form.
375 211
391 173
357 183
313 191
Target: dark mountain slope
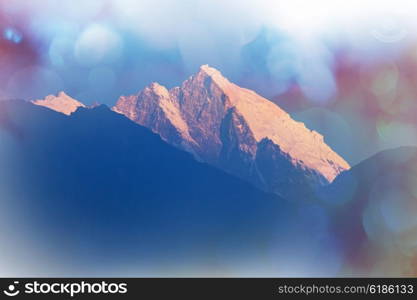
96 186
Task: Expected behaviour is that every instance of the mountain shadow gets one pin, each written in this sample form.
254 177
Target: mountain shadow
100 190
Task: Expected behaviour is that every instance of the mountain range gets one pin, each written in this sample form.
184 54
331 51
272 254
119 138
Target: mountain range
96 186
208 174
231 128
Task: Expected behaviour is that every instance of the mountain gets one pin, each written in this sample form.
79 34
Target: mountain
374 208
61 103
236 130
95 187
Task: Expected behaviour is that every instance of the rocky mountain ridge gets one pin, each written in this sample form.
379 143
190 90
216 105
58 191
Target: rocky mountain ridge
232 128
236 130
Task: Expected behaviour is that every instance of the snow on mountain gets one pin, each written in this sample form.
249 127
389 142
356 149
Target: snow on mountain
60 103
236 130
154 108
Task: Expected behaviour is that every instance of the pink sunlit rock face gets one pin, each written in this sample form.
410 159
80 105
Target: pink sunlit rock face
236 130
60 103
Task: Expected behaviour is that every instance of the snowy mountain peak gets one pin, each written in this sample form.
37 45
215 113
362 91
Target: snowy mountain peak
237 130
206 72
158 89
61 103
212 72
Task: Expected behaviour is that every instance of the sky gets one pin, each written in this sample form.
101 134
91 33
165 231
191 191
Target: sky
345 68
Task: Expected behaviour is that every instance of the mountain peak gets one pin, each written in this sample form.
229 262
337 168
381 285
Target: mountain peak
209 72
224 124
61 103
158 89
62 94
